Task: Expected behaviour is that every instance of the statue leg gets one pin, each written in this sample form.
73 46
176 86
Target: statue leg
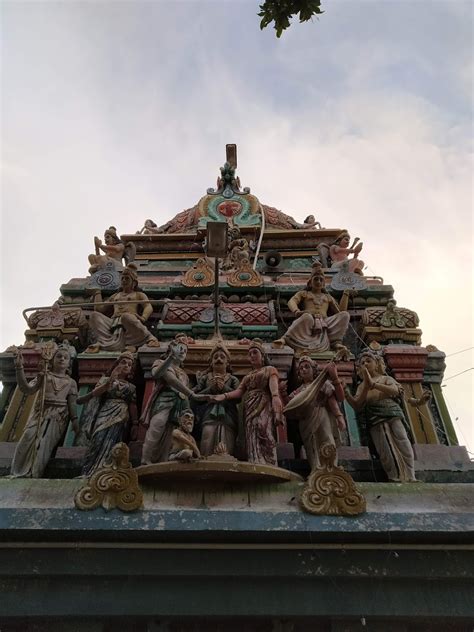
394 450
135 332
336 327
208 439
158 439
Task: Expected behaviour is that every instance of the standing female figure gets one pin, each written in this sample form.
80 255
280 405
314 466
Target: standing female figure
54 407
376 398
317 409
262 406
168 401
111 407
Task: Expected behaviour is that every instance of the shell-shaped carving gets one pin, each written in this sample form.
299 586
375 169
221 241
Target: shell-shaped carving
244 275
113 485
200 275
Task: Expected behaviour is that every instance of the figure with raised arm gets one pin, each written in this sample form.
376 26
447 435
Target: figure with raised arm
114 251
125 330
262 406
169 399
340 251
321 322
54 407
315 404
219 420
111 408
377 400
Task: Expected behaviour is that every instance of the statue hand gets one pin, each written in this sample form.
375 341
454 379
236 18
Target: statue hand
217 398
331 370
17 358
75 426
201 397
134 431
341 422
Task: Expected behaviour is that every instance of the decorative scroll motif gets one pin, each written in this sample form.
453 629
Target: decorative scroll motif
180 312
200 275
115 485
244 275
330 491
56 318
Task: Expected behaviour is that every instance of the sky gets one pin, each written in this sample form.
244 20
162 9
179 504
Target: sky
113 112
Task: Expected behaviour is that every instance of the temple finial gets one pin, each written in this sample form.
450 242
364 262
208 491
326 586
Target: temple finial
231 154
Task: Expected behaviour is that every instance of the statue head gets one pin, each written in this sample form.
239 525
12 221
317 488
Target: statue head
123 365
372 361
110 236
219 358
256 349
317 280
310 219
62 358
129 280
178 348
343 239
186 420
149 223
307 369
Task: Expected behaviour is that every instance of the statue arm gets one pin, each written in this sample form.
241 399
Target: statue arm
171 379
277 404
390 387
72 409
336 411
357 401
28 387
294 302
147 308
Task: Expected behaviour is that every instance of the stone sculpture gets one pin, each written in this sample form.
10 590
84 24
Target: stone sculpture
377 400
114 251
340 251
111 407
184 447
219 420
262 406
168 401
314 329
125 329
54 407
315 405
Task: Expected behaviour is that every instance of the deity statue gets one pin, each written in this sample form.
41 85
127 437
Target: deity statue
377 400
219 421
184 447
111 408
262 406
278 219
236 246
315 330
169 399
125 329
54 407
340 251
149 228
115 250
315 405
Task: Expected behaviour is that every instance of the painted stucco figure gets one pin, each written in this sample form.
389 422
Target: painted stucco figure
169 399
377 400
114 250
54 407
219 420
315 405
125 330
184 447
340 251
262 406
111 408
321 322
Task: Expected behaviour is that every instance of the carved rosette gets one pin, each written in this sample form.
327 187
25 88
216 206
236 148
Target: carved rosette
330 491
200 275
115 485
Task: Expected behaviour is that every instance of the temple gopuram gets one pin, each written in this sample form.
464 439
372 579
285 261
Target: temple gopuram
224 423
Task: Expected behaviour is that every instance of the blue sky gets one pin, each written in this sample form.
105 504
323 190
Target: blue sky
113 112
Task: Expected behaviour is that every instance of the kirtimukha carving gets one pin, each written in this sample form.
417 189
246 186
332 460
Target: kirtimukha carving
125 329
114 485
330 491
111 407
54 407
200 275
377 401
218 420
314 329
184 447
114 251
340 251
262 406
315 405
168 401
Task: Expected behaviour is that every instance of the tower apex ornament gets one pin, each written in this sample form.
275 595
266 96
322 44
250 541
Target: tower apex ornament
228 183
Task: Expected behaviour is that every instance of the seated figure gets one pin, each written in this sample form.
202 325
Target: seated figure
184 447
340 251
114 251
125 330
321 323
